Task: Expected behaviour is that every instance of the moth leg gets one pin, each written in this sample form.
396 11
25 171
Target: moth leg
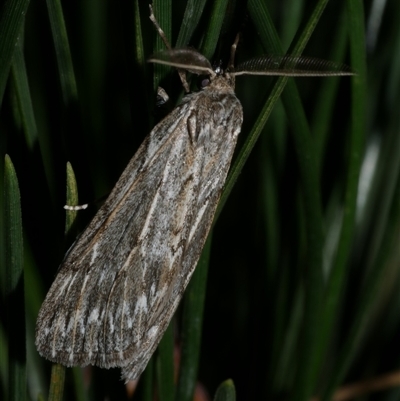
182 74
162 96
159 30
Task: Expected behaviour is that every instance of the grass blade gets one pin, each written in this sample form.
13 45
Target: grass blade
58 371
214 28
226 391
165 365
192 322
11 27
193 11
23 95
15 299
63 52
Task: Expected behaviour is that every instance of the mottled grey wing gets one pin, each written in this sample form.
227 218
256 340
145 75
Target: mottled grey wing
122 280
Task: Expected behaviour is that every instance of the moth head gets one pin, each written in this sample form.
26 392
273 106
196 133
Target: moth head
204 80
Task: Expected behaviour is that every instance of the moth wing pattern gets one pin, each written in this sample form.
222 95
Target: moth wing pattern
121 282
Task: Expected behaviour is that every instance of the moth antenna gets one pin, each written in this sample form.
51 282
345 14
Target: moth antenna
158 28
182 74
186 59
231 64
292 66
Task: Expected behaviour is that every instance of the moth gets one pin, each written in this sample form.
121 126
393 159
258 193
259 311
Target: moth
122 280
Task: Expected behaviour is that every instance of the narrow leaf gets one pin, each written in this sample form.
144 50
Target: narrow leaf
15 298
226 391
192 323
11 24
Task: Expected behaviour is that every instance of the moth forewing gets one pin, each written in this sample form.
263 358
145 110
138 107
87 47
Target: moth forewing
120 284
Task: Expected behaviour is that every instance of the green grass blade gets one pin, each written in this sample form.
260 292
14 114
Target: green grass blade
63 52
57 379
146 382
193 306
214 28
291 20
193 11
15 299
79 384
324 104
71 232
23 95
135 20
34 292
71 198
165 365
226 391
3 359
11 26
